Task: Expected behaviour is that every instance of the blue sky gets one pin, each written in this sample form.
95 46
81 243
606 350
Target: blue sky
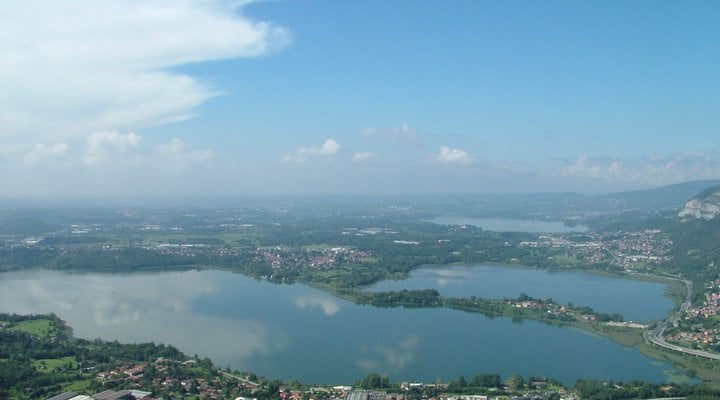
112 98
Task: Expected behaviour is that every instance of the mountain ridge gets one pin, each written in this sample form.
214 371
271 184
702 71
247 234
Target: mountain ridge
705 205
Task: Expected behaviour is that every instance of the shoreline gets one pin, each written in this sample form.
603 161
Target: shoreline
622 335
630 336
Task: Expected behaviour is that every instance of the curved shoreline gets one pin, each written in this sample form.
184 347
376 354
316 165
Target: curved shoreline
627 335
624 335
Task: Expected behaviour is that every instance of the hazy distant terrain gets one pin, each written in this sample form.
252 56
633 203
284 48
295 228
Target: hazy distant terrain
340 245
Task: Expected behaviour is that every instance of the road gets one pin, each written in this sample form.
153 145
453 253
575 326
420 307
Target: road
240 378
656 335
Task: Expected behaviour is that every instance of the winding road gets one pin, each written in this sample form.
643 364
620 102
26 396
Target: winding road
655 335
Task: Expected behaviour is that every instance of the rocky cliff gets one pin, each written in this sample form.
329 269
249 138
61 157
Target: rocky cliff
706 206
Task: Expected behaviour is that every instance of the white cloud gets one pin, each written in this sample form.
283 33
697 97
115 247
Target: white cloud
42 151
109 146
329 148
178 154
648 171
449 155
586 167
362 157
678 167
107 163
401 134
73 67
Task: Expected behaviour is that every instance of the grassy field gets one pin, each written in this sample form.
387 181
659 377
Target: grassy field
81 386
38 327
55 364
703 369
623 335
676 291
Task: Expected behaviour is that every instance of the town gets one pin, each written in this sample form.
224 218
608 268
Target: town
343 254
698 329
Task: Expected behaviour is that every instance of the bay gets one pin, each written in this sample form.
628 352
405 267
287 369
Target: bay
635 300
297 332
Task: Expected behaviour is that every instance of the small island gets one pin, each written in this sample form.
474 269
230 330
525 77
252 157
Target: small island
344 253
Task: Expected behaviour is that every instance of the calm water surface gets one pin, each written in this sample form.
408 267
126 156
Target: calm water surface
511 225
296 332
635 300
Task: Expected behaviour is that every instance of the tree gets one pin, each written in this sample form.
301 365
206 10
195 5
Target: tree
516 382
487 380
462 382
373 381
458 385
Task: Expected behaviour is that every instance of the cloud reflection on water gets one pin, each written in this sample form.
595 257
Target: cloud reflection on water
391 358
447 277
140 308
275 330
329 306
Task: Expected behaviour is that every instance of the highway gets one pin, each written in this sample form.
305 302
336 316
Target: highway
656 335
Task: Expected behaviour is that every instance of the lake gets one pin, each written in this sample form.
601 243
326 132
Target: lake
297 332
635 300
511 225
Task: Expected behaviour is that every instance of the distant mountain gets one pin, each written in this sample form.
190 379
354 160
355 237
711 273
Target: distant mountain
696 237
593 209
670 197
705 205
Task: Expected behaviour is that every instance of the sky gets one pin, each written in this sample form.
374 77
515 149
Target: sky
181 98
